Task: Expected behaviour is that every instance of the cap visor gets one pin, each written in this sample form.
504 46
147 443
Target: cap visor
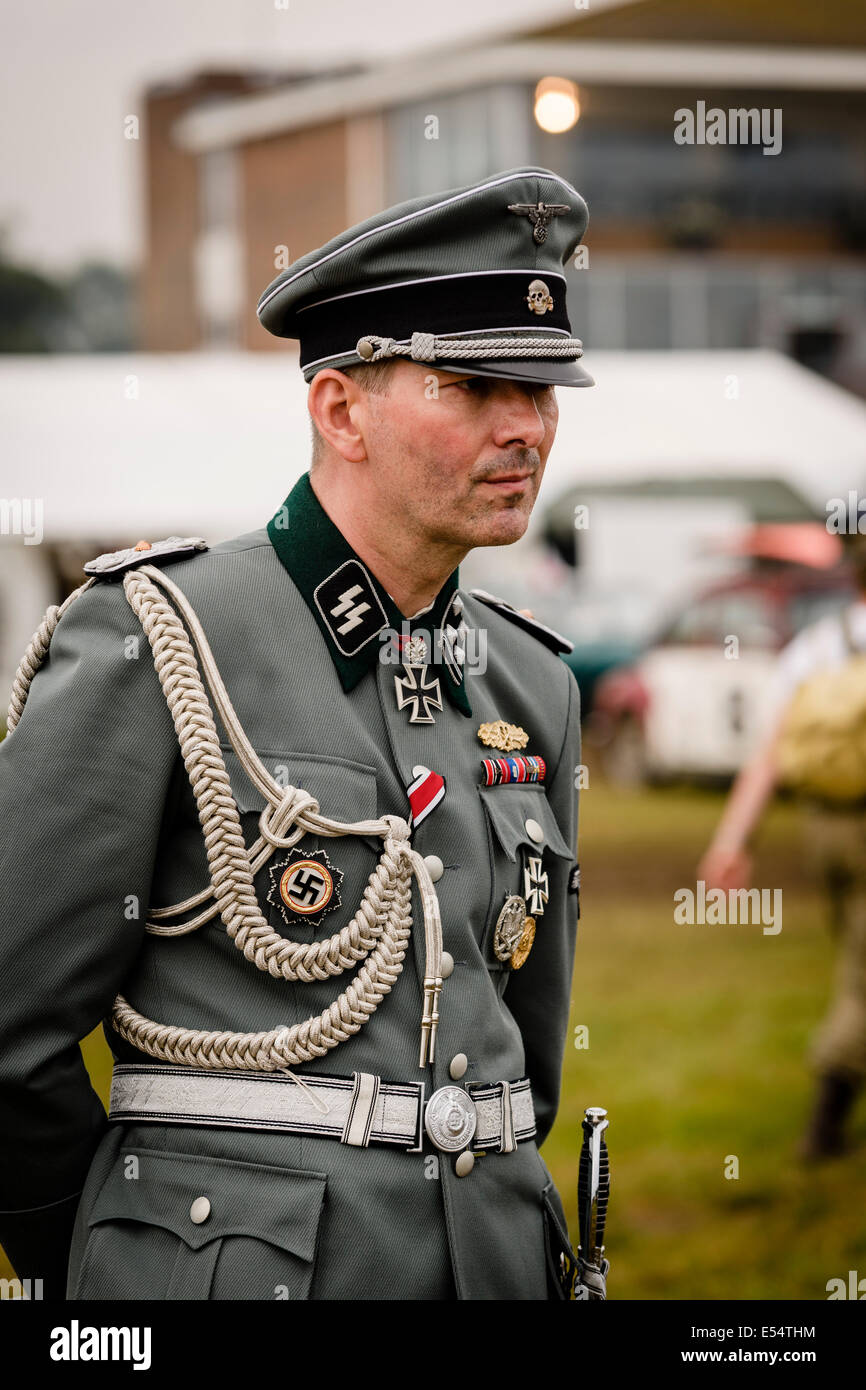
543 372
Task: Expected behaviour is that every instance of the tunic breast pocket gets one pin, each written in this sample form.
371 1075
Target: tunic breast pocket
524 841
170 1225
312 889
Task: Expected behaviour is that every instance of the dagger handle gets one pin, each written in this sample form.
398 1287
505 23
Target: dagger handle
593 1184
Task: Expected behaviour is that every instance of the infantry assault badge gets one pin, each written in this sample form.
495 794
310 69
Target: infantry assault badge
514 933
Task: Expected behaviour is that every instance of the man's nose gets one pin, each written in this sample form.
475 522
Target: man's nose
519 421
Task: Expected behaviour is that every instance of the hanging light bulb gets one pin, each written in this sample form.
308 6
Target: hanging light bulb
557 104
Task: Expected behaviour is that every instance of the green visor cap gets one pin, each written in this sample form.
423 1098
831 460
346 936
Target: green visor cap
471 280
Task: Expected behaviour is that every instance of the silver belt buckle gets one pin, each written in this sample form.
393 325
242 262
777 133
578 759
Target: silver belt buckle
450 1119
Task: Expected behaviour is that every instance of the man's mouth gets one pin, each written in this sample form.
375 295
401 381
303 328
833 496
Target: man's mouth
509 482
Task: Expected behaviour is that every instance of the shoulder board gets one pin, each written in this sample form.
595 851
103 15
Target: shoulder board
545 634
114 562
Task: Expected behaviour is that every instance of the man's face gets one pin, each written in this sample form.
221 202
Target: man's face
463 456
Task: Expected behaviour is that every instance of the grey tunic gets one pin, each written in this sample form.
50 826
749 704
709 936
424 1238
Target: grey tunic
99 821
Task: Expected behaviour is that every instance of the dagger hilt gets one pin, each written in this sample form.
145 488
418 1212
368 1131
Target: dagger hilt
593 1185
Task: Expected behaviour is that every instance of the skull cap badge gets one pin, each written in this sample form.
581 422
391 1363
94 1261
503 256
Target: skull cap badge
539 298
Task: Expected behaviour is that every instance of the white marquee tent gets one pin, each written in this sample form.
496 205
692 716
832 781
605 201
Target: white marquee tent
116 447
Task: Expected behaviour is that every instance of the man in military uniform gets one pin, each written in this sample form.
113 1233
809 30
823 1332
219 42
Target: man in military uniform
296 817
834 829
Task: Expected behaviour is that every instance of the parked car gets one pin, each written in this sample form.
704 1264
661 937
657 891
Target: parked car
698 699
609 627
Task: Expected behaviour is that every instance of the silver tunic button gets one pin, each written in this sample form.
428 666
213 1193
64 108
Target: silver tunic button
447 964
534 831
435 867
464 1164
199 1211
458 1066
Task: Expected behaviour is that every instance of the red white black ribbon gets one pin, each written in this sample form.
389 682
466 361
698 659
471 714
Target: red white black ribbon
526 768
424 794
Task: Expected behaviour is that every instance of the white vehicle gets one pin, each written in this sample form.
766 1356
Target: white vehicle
697 702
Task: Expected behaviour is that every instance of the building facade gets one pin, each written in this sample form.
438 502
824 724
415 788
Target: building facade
750 233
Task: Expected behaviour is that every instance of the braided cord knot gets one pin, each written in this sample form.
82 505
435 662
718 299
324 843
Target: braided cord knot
377 936
428 347
423 347
295 805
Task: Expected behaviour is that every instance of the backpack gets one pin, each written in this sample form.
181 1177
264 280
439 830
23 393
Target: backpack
822 745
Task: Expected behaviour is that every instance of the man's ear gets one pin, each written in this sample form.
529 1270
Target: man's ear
335 403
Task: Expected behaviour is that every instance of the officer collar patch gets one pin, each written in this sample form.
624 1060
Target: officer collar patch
354 612
350 607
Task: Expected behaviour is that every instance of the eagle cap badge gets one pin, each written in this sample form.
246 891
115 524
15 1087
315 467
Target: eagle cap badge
540 215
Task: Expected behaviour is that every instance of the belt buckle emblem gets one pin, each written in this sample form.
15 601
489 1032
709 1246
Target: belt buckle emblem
450 1119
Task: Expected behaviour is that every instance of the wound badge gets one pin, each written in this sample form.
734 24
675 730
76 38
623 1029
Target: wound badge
506 737
305 886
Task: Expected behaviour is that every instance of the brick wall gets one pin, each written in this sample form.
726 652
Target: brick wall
293 195
169 321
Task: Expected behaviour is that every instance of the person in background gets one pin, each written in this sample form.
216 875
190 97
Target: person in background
817 745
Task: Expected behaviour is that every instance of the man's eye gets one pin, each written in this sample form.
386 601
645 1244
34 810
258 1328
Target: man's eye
472 383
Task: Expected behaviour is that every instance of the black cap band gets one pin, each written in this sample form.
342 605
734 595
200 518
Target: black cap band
449 305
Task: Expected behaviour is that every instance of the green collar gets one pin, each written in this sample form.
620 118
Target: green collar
355 614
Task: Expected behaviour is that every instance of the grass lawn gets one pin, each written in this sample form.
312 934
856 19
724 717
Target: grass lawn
697 1047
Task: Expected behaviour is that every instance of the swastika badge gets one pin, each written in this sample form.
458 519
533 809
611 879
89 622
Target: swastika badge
305 886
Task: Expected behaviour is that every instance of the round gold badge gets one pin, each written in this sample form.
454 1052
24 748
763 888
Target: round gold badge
524 945
306 887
